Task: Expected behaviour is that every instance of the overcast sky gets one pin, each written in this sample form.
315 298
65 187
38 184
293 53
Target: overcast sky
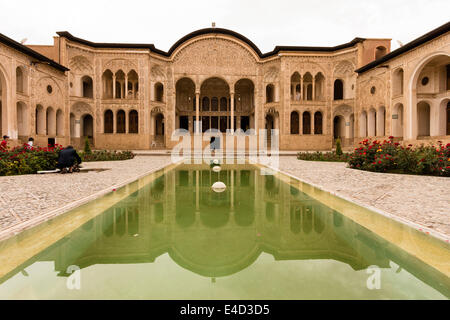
266 23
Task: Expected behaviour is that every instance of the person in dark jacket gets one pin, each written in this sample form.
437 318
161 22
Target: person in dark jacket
68 158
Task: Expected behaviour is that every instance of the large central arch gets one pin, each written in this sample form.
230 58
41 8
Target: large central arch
214 104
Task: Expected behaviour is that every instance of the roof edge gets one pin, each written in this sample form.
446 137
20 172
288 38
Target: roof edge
30 52
409 46
200 32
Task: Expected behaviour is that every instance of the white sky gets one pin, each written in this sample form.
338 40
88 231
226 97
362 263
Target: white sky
266 23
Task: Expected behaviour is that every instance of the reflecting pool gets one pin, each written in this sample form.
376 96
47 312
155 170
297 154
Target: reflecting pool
169 236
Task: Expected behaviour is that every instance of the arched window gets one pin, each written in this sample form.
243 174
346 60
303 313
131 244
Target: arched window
338 89
87 87
59 123
223 104
159 125
423 119
22 116
372 123
40 124
307 86
379 52
205 104
381 121
185 94
397 85
120 84
133 85
363 124
88 126
107 79
120 121
133 122
270 91
318 123
306 123
338 127
20 87
108 122
319 80
51 121
397 120
214 104
159 92
309 92
295 123
295 86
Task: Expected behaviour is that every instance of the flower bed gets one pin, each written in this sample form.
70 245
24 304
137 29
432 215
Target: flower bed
21 160
103 155
323 156
388 156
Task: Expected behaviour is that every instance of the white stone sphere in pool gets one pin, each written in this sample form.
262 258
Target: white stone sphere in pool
216 161
216 169
219 186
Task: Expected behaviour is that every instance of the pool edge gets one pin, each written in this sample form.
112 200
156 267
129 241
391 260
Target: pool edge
435 234
33 222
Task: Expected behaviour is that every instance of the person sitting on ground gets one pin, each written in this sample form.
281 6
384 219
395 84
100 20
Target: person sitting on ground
68 158
4 143
30 143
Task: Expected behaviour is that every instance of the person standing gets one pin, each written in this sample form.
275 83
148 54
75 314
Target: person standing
30 143
4 143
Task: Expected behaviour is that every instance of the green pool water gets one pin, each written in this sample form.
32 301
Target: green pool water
169 236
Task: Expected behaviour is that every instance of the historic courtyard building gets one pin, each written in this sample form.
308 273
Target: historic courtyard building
133 96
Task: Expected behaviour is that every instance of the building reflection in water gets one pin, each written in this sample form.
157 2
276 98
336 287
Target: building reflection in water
219 234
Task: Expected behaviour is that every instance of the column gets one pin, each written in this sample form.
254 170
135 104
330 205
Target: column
312 118
313 88
115 122
300 123
197 111
232 111
126 86
126 122
114 86
301 88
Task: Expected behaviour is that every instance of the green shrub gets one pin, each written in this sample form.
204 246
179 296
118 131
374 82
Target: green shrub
87 146
104 155
338 147
387 156
323 156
